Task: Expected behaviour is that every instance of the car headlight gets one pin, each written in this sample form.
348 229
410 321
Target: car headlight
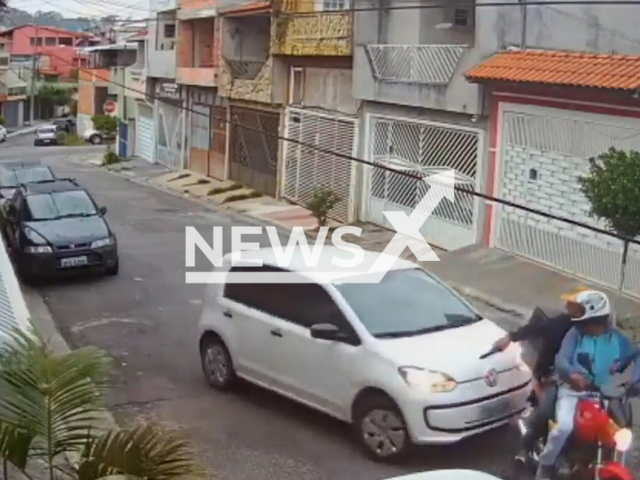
429 380
38 249
623 438
102 243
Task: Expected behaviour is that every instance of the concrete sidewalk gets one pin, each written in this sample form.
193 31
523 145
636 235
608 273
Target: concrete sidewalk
16 132
504 281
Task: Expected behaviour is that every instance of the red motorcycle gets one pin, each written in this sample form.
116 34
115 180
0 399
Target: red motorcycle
601 436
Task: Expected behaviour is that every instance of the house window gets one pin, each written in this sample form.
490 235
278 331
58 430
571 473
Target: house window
169 30
35 41
66 41
50 41
4 61
461 18
334 4
296 86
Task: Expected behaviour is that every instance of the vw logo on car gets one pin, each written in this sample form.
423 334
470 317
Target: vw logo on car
491 378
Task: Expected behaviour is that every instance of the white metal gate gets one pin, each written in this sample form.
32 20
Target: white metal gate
145 142
544 151
170 135
423 148
306 169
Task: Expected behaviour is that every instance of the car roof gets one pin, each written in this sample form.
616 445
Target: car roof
51 186
453 474
325 268
46 127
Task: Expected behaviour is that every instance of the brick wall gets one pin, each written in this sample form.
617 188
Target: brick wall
185 45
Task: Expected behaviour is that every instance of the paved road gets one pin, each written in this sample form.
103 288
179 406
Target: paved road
146 319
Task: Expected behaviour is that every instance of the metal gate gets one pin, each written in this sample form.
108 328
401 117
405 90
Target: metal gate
254 155
307 169
145 142
543 153
423 148
170 135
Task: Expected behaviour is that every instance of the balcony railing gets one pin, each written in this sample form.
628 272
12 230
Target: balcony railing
322 34
259 89
243 70
200 76
419 64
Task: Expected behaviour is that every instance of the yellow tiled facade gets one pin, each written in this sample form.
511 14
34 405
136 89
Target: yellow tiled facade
311 34
256 90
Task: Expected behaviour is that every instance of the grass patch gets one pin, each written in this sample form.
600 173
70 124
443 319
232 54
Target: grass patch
70 140
179 177
230 188
242 196
200 181
110 157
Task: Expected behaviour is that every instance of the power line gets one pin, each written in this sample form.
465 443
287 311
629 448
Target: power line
351 158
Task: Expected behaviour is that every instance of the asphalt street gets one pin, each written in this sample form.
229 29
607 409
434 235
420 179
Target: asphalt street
146 319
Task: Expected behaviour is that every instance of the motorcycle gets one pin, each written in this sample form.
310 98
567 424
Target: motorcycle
601 436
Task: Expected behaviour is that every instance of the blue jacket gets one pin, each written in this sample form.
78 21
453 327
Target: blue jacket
606 350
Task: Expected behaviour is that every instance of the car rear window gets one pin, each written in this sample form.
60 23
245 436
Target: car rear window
47 130
56 205
13 178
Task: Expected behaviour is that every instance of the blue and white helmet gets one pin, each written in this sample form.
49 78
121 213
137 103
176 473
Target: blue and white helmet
596 305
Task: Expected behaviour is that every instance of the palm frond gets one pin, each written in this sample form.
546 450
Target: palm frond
53 399
147 451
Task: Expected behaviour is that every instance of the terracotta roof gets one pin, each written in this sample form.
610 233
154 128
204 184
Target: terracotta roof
595 70
247 8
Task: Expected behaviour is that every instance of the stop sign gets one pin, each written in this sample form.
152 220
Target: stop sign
110 106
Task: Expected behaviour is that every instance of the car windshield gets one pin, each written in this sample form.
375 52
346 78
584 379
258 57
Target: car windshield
51 206
47 130
13 178
406 303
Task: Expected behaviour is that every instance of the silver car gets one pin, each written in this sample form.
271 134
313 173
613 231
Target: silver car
46 136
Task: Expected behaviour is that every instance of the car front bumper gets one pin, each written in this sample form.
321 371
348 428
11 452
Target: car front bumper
57 263
449 418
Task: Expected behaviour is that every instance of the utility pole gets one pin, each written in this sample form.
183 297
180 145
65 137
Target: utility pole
523 32
34 63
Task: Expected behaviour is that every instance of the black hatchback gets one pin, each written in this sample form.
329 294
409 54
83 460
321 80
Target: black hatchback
54 227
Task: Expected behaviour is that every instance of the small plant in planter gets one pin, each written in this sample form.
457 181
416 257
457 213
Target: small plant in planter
323 201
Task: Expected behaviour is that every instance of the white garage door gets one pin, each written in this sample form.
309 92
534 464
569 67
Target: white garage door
145 141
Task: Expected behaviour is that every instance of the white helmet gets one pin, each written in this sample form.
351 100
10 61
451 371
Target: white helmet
596 305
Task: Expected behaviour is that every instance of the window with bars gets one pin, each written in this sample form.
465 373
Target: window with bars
328 5
461 18
169 30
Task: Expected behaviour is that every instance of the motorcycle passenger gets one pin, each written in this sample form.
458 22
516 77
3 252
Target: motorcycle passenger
605 346
550 332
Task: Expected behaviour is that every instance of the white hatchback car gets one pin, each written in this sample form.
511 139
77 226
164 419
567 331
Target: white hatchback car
398 359
447 475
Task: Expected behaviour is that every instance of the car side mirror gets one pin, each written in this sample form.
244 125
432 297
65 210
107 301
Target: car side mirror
103 210
326 331
584 361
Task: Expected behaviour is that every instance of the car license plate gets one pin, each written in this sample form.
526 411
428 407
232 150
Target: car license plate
495 409
73 262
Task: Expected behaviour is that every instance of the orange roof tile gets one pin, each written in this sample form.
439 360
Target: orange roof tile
594 70
247 9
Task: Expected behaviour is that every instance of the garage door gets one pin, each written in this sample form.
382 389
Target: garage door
145 141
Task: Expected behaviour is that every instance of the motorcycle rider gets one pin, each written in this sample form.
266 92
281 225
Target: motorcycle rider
606 346
550 332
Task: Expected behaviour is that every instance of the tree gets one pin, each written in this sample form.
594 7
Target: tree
612 189
60 97
49 408
105 123
611 186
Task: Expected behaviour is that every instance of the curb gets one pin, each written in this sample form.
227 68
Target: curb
19 133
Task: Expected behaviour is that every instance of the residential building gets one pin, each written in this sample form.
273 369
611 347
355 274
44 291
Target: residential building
419 114
60 46
552 104
13 89
313 40
198 69
103 81
135 94
253 82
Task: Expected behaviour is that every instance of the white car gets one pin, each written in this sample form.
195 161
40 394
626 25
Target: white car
398 359
3 134
453 474
94 136
47 135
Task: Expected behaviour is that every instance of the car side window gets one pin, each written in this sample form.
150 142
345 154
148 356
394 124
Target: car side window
304 304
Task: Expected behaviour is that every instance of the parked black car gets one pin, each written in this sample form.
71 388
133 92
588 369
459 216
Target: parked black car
66 124
12 174
55 226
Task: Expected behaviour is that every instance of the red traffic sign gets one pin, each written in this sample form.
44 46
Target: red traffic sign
110 106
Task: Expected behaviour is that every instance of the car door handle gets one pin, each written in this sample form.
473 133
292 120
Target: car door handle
276 333
227 313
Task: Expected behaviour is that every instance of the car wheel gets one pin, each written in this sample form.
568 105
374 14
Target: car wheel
217 364
95 139
113 271
381 429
